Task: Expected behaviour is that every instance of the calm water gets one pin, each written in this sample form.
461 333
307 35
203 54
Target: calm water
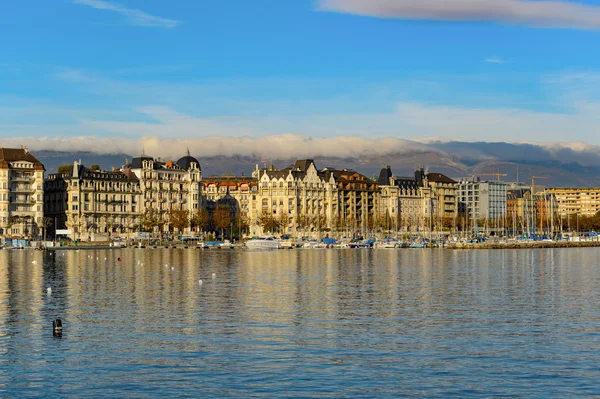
304 323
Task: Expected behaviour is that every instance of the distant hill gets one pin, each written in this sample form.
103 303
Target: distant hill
456 159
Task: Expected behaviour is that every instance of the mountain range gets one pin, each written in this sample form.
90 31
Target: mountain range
555 166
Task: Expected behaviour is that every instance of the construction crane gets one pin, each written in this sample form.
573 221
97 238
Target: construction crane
492 174
533 182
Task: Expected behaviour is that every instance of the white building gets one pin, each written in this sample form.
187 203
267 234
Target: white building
484 201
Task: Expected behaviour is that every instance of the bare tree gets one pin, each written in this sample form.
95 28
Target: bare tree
46 222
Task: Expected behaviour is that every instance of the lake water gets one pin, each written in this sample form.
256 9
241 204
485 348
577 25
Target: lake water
301 323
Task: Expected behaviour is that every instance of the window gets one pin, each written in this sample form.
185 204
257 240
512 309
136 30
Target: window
75 207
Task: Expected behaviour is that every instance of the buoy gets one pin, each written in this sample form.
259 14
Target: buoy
57 327
214 275
172 268
120 260
200 282
34 262
49 290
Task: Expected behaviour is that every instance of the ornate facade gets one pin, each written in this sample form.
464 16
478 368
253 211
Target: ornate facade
168 185
93 204
21 193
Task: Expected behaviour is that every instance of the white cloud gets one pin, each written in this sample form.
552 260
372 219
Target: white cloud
494 60
73 75
135 17
560 14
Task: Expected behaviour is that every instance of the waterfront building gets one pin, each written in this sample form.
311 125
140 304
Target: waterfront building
167 186
576 201
444 195
21 193
93 204
238 194
357 201
484 201
389 194
300 197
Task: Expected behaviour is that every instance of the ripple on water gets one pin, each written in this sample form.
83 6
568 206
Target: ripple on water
334 323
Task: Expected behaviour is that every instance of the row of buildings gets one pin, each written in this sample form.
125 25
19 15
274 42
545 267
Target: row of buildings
89 203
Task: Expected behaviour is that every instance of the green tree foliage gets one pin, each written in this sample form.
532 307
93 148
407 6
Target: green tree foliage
65 168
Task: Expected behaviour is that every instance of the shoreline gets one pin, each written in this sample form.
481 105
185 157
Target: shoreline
524 245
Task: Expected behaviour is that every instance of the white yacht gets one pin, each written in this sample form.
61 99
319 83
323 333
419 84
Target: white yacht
266 242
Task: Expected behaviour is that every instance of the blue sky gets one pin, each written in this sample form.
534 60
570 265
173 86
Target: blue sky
134 70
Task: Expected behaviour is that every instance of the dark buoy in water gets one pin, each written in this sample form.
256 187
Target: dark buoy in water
57 327
120 260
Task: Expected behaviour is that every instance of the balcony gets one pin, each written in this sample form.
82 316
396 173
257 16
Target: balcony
28 201
23 213
23 178
23 189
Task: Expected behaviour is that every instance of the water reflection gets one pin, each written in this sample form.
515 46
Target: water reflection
299 323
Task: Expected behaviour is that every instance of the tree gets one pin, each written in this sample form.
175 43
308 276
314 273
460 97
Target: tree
65 168
179 218
268 222
283 222
200 218
150 219
46 222
222 218
95 167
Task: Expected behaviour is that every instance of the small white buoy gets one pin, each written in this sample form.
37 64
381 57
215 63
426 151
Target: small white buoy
34 262
214 275
200 282
49 290
172 268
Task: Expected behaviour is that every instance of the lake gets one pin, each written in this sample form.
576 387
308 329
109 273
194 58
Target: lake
300 323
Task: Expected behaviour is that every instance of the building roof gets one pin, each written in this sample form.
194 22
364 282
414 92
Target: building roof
187 161
136 162
302 165
439 178
385 175
8 155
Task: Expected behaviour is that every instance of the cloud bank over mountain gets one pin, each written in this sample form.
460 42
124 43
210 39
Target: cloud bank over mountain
292 146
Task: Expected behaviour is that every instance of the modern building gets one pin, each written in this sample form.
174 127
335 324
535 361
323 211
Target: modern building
484 202
21 194
93 204
576 201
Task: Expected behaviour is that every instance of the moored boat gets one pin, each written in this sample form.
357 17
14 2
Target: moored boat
266 242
